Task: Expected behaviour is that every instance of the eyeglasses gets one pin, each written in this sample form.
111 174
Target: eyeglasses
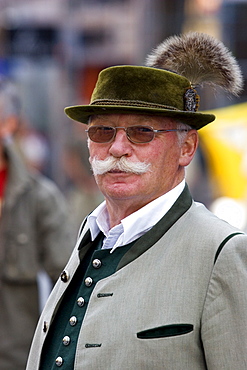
135 134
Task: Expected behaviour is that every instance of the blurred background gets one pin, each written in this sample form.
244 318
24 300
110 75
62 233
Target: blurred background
54 50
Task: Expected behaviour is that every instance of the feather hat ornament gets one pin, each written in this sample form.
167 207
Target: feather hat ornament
166 85
200 58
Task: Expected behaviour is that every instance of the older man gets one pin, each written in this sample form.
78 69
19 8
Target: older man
155 281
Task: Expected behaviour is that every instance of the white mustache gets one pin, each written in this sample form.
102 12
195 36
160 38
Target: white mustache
100 167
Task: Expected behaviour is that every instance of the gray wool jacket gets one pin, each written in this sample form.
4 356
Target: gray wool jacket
177 300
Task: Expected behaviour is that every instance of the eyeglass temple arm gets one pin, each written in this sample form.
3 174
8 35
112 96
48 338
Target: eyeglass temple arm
170 130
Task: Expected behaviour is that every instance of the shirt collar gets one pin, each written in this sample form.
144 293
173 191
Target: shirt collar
99 219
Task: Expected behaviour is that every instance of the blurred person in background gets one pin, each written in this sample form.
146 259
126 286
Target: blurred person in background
34 236
33 145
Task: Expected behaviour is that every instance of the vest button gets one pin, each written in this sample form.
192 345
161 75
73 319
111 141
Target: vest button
73 320
97 263
80 301
88 281
64 276
59 361
66 340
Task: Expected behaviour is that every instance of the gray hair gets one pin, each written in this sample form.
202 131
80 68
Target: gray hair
182 134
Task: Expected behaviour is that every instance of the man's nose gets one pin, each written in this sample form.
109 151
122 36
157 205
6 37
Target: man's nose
120 146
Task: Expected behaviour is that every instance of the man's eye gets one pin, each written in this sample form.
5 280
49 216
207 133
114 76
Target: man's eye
107 129
143 129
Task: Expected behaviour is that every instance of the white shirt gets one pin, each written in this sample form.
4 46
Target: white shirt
134 225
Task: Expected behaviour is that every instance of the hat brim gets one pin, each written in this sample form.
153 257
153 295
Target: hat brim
81 113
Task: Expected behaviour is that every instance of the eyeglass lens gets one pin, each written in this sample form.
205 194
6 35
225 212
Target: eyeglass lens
136 134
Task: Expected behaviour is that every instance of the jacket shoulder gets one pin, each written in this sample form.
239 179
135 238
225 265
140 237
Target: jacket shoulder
206 230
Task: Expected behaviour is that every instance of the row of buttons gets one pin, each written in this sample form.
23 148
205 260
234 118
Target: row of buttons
65 275
96 264
80 302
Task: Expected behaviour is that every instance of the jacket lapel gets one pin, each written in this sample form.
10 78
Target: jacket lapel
182 204
146 241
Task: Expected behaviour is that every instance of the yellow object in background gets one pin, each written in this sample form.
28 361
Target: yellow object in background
224 147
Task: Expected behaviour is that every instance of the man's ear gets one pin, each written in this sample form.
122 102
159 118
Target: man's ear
189 147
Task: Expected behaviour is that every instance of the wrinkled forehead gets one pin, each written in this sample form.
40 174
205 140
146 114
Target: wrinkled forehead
131 119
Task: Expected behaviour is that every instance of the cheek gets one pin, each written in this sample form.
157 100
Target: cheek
97 150
165 157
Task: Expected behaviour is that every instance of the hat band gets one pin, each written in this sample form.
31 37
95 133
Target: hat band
131 103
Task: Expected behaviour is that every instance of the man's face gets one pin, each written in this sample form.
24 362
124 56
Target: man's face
164 154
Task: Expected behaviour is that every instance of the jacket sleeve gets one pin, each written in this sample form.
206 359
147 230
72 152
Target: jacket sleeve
56 240
224 319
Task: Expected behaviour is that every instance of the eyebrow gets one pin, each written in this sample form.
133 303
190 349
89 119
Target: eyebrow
139 119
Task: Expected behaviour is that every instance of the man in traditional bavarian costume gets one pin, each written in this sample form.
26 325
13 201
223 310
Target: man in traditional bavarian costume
155 281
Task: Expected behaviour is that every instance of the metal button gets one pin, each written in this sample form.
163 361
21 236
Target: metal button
73 320
64 276
88 281
97 263
66 340
59 361
80 301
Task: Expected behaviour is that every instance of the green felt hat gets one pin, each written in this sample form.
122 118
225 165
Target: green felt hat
142 90
166 85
